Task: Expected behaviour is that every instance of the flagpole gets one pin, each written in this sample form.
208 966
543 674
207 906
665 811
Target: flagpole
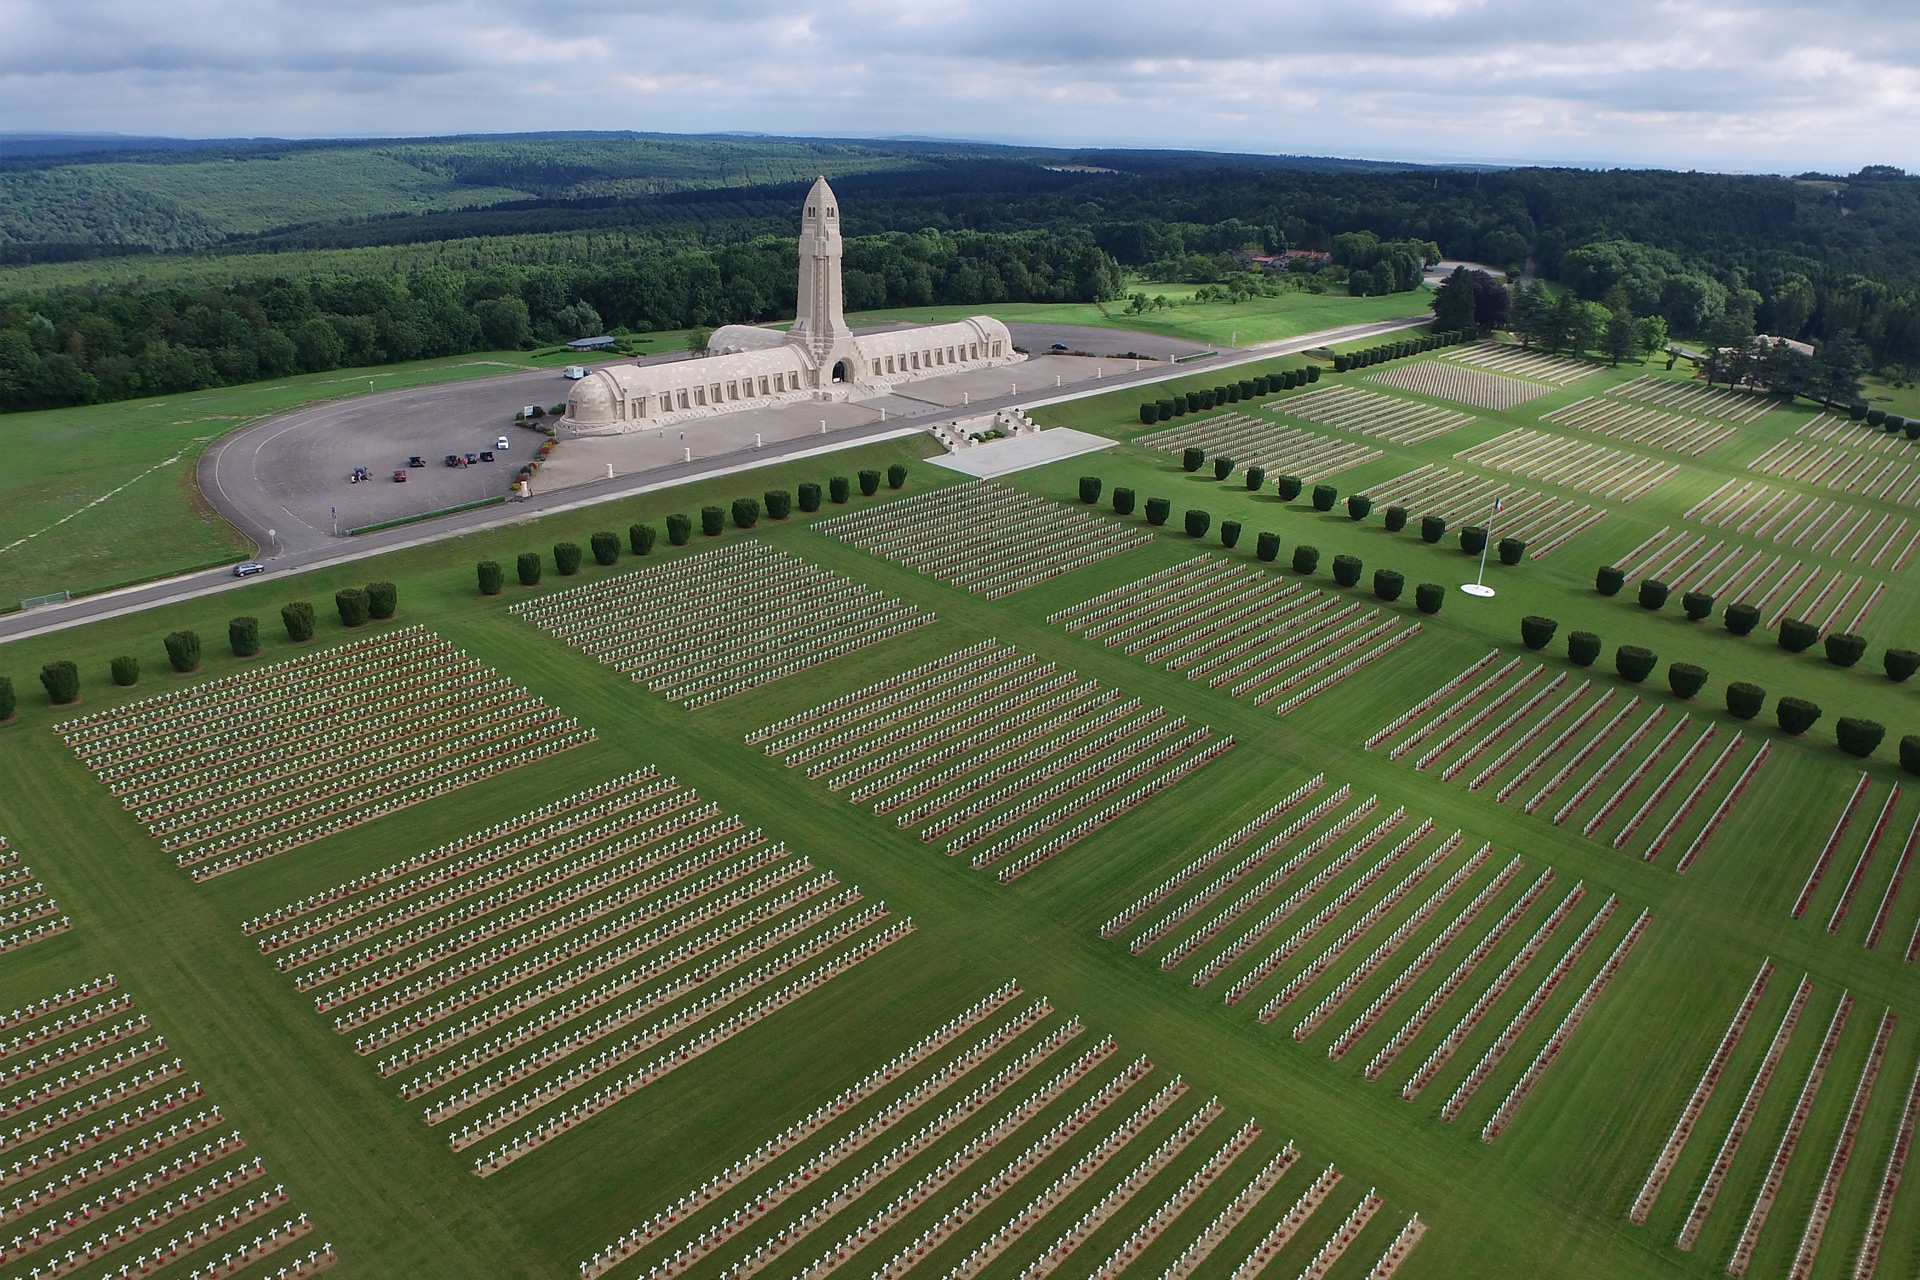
1478 586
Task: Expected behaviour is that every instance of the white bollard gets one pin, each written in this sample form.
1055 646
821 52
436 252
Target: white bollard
689 455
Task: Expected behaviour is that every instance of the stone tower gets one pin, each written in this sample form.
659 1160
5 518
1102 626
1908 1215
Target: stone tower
820 324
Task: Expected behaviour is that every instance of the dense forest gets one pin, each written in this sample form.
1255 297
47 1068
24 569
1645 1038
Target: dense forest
705 228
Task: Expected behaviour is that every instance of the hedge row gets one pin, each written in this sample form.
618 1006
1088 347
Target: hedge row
1180 403
1405 347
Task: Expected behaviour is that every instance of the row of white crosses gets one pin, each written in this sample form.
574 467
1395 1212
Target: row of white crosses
1614 474
1261 442
1641 424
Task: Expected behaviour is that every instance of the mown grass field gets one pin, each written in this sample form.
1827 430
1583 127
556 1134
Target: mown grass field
1548 1199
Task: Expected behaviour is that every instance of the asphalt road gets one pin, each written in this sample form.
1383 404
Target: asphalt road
247 486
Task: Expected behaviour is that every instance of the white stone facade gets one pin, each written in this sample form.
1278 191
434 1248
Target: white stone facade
818 359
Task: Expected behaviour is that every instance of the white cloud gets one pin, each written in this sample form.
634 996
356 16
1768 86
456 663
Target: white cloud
1740 84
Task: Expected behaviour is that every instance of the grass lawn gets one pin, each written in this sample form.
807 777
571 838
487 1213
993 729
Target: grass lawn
1548 1199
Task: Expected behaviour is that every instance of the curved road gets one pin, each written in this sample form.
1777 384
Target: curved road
282 474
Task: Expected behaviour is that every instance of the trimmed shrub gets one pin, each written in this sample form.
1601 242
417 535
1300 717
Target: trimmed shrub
566 557
1313 372
1512 550
183 647
1305 558
746 513
1857 410
605 547
1123 502
1167 409
680 528
1324 496
297 617
1149 412
1089 488
1536 631
8 700
1844 648
1909 747
1267 546
1685 679
1609 580
243 637
1387 584
1698 604
779 503
1229 533
1473 540
1893 424
1191 459
1634 663
1429 596
1288 487
1583 648
1858 737
1876 416
1796 715
1744 700
1653 593
1912 428
125 671
1396 519
1797 636
1158 509
1198 522
1222 468
1346 570
1741 618
492 577
61 680
712 521
839 488
809 497
869 483
1256 478
1432 528
897 475
1359 506
351 604
640 538
1900 664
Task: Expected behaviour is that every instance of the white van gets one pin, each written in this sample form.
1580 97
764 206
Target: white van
574 372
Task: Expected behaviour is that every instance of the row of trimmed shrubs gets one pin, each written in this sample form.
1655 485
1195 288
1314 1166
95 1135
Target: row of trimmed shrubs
1843 648
1635 663
1887 422
376 602
1405 347
1387 585
776 504
1206 399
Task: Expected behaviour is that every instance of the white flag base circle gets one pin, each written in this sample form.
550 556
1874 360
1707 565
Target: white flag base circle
1477 589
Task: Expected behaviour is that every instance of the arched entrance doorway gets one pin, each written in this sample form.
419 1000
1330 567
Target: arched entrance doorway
840 371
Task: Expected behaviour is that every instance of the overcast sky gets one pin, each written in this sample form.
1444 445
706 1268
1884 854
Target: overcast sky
1762 85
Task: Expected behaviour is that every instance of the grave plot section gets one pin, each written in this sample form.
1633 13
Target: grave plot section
1308 909
28 913
711 626
1246 632
1008 1138
1592 468
1778 584
1817 526
991 540
1854 879
1476 387
1544 522
1743 407
994 753
1876 476
1256 442
118 1163
1760 1139
1643 425
1647 777
238 769
1841 429
519 981
1519 362
1369 413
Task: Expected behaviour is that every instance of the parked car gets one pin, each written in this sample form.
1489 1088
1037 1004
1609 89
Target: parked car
1060 346
400 476
453 460
472 458
503 443
486 455
416 461
247 568
574 372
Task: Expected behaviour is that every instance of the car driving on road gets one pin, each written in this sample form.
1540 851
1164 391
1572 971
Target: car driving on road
247 568
502 443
